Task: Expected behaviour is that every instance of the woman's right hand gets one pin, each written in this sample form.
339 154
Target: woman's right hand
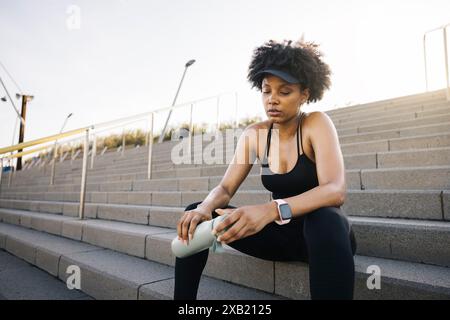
189 221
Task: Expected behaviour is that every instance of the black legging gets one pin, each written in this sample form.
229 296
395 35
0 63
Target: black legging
323 238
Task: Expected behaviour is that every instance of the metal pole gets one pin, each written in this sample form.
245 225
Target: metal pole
191 131
218 101
425 58
72 151
150 145
146 138
123 142
1 173
94 151
22 128
161 137
10 173
55 155
83 176
236 111
446 64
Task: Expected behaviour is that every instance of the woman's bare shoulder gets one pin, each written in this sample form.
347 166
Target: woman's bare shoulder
258 125
308 120
257 133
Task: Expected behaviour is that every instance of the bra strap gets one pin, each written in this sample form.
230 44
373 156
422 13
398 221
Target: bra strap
269 135
299 138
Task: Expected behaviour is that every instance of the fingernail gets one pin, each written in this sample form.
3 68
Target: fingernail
190 237
219 239
214 232
185 242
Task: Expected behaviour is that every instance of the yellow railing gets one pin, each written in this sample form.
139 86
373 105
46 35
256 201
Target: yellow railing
52 138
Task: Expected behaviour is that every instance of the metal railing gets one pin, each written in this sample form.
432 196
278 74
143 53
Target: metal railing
93 131
444 33
52 138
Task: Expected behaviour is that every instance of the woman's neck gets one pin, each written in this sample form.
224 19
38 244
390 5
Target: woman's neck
287 129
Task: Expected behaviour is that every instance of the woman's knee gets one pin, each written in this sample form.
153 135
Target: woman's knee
192 206
326 217
326 226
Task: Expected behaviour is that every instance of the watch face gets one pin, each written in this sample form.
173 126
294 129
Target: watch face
285 211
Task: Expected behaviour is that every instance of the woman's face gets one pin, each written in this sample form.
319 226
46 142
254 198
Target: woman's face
281 99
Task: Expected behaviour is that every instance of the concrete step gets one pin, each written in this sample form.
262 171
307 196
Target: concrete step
411 178
111 275
384 104
415 110
401 239
410 204
391 125
396 144
422 281
409 240
426 129
399 113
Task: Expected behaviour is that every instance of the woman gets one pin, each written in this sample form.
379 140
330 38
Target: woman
304 170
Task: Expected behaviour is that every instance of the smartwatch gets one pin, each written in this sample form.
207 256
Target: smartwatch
284 211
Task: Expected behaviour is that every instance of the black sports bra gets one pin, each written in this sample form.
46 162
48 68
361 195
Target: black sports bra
301 178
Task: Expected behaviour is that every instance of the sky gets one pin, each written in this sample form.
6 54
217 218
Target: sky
106 59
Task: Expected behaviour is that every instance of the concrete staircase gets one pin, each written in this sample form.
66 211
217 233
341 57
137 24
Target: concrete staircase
397 159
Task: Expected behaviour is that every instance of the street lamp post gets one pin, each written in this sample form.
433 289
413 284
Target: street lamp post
161 137
65 122
25 99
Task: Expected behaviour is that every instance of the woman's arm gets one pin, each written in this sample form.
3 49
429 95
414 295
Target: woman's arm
237 171
217 198
331 191
220 196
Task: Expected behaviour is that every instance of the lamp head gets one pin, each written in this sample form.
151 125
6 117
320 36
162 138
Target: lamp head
190 62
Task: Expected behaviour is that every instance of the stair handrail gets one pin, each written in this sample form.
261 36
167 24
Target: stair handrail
444 31
47 139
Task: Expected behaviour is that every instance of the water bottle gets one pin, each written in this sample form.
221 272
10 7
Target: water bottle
202 239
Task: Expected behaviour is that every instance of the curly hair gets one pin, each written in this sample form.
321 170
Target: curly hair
302 60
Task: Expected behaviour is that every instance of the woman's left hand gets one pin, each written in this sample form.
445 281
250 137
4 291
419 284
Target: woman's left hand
247 220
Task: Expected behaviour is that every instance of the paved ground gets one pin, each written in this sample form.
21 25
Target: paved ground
20 280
